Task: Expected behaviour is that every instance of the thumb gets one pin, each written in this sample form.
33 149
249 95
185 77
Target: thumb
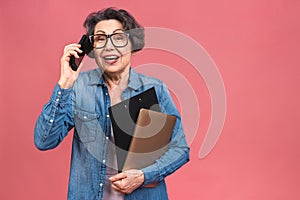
81 64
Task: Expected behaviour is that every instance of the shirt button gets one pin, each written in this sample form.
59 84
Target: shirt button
51 120
59 92
101 184
103 161
107 138
84 117
107 116
57 100
106 93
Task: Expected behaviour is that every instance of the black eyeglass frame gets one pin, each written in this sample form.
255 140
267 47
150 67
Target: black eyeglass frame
108 36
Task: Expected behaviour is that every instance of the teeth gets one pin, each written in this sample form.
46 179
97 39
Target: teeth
110 57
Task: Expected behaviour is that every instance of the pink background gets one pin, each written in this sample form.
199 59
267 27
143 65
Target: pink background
255 46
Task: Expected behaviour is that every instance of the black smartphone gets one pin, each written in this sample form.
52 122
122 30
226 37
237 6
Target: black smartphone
86 48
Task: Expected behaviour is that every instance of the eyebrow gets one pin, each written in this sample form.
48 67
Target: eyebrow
113 31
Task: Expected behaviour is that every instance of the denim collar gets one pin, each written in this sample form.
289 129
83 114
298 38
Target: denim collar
134 80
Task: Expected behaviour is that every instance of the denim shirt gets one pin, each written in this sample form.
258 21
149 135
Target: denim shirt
84 107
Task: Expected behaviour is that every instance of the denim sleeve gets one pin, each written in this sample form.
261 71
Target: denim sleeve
55 120
178 151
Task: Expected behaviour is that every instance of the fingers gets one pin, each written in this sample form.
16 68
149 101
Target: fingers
123 186
115 187
117 177
126 182
72 49
67 75
118 185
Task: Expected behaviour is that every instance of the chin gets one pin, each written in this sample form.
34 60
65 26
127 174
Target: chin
113 69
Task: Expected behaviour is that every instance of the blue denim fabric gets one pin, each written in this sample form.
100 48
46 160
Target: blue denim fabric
85 107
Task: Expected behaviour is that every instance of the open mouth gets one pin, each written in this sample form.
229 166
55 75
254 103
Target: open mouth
111 58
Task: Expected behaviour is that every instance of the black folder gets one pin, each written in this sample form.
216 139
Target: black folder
124 117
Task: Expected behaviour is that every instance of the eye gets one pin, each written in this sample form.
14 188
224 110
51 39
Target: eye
99 38
120 36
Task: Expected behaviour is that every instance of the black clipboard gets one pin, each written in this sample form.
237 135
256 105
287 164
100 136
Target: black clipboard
123 118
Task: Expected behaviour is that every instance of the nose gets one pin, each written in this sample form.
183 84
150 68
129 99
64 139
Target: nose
109 44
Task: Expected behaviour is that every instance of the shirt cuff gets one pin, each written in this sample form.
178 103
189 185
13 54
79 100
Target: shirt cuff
151 174
60 95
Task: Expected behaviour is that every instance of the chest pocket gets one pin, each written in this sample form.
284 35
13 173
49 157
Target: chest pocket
87 125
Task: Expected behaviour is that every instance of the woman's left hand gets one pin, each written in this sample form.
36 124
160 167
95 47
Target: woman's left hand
126 182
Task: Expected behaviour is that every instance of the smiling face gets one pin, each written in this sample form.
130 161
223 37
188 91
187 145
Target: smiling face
112 60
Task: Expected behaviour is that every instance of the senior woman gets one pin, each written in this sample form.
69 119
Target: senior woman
81 101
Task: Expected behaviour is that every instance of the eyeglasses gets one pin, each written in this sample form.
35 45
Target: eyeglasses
117 39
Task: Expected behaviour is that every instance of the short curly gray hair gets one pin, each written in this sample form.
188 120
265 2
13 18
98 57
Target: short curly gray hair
130 25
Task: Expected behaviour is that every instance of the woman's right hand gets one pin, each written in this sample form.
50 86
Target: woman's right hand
67 75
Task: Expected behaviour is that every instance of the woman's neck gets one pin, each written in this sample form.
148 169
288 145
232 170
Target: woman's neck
113 80
116 84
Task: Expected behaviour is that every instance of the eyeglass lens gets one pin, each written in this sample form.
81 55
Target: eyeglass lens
117 39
